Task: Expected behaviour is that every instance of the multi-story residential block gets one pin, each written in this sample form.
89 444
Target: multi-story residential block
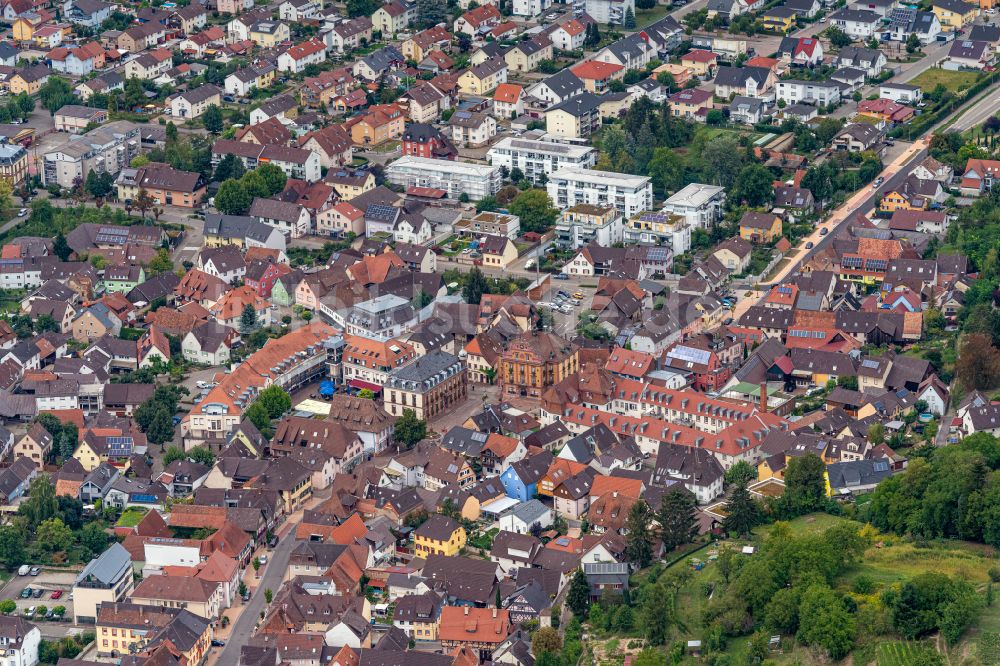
629 194
576 117
455 178
106 579
491 224
537 158
583 223
367 363
293 360
13 164
700 205
295 162
660 228
163 183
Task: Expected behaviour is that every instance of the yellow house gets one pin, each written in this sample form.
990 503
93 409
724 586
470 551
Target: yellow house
268 34
896 200
483 78
760 227
690 103
772 468
349 184
439 535
498 251
29 80
526 55
954 14
779 19
24 30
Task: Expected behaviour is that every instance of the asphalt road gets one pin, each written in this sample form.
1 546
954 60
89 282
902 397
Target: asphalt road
976 114
273 573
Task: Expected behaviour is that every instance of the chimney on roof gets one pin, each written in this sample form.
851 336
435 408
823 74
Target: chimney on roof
466 608
494 612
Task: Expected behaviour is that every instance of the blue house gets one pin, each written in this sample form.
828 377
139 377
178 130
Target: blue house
520 480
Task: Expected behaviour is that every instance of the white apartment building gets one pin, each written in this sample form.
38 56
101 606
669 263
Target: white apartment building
455 178
606 11
530 8
659 228
584 223
570 186
700 205
817 93
108 148
535 157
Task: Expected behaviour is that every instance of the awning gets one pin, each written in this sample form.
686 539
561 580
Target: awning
361 384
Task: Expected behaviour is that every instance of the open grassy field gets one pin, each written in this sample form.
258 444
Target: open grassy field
953 81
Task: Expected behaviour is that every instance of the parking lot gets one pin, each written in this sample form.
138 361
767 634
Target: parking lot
48 582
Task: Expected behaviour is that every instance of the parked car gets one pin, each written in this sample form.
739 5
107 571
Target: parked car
24 570
824 231
30 610
22 212
263 559
26 593
218 643
38 593
35 571
562 276
809 245
56 594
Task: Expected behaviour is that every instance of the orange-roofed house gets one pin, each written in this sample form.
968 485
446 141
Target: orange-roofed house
508 101
604 485
569 36
782 297
887 110
367 363
376 269
820 339
559 471
629 363
471 21
979 176
596 75
870 261
341 219
499 452
228 311
300 56
681 73
479 629
701 63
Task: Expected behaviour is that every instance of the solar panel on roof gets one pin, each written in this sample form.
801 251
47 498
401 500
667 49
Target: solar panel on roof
868 363
690 354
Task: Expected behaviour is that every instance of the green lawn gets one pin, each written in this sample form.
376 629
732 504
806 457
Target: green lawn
953 81
131 517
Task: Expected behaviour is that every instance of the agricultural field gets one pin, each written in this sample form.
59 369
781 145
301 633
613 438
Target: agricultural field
902 653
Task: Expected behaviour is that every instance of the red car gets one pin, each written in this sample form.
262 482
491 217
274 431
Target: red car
56 594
